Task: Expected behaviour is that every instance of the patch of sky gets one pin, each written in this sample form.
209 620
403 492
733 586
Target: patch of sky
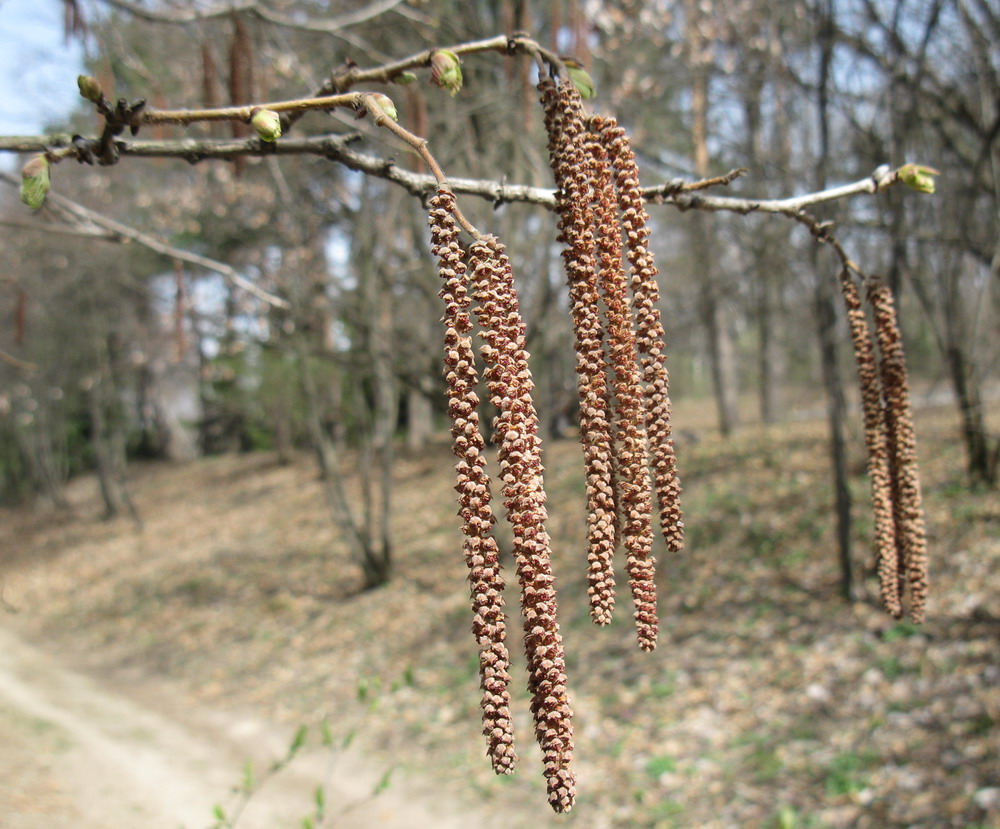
39 67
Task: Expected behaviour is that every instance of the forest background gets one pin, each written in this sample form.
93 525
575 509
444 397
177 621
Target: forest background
116 354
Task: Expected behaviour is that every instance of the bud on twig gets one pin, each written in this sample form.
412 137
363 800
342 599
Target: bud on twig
267 123
446 70
89 88
384 103
404 78
918 177
35 182
580 78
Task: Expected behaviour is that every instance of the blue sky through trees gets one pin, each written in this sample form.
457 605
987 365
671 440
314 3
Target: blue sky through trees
38 65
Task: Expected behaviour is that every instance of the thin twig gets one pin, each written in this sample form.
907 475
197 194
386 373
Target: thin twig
344 78
244 113
11 360
121 231
880 180
420 145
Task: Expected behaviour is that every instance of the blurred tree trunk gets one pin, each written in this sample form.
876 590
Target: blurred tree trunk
421 330
766 252
39 446
102 452
721 354
826 317
419 416
108 434
982 455
372 562
378 442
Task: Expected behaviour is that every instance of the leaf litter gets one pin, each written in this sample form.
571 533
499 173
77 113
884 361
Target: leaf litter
769 702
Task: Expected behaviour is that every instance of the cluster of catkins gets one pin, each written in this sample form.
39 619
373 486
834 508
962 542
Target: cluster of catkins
900 537
624 422
621 361
624 425
483 274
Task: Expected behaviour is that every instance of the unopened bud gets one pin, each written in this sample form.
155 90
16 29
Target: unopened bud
384 103
446 70
404 78
267 123
918 177
580 78
35 182
89 88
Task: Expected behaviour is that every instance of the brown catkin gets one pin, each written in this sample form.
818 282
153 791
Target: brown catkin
876 442
564 123
652 351
911 537
516 431
635 506
473 487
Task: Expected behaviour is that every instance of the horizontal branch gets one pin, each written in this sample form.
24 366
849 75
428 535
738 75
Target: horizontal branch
192 150
685 195
243 113
879 180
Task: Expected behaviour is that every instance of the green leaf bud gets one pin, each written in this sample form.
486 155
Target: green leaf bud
89 88
35 182
404 78
267 123
446 70
580 78
918 177
384 103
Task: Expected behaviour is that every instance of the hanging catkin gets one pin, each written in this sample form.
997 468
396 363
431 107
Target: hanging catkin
516 431
911 540
876 442
634 502
565 128
481 553
649 334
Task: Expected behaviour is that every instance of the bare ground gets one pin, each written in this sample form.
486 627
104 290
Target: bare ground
235 617
80 755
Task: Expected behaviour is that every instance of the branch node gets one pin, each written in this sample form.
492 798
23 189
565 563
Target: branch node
883 176
84 149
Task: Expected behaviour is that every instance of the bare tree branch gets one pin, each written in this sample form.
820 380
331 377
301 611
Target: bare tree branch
879 180
682 194
346 77
11 360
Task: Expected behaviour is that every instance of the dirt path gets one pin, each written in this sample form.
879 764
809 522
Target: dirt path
76 754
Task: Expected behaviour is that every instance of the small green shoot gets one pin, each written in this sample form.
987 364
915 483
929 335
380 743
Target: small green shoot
383 783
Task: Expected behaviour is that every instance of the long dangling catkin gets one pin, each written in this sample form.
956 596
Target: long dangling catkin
652 351
481 552
911 537
876 442
516 429
564 123
635 506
